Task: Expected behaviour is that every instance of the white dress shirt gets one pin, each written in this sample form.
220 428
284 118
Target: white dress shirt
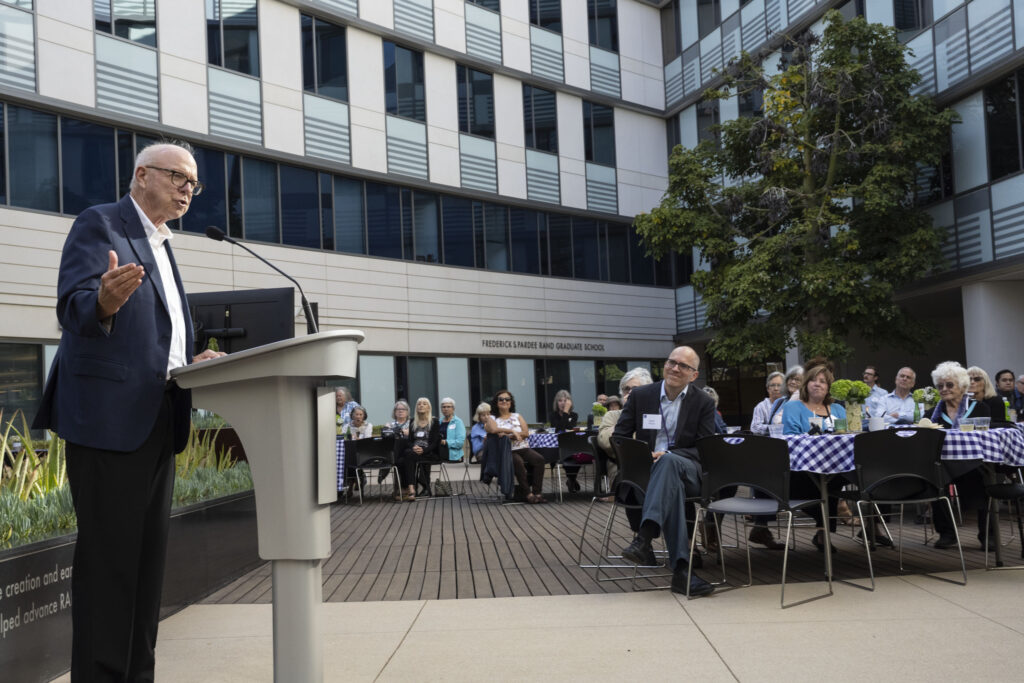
157 239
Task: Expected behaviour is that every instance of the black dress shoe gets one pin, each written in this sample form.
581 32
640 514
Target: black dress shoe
879 539
698 586
572 485
640 552
945 541
819 543
762 535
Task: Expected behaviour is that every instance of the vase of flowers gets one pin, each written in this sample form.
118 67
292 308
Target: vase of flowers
853 394
929 396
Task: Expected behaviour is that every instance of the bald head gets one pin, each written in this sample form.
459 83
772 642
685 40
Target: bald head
681 368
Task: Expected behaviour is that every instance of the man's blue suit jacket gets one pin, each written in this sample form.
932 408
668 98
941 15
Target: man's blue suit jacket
106 387
696 417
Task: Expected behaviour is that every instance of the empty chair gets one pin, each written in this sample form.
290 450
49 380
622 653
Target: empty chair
1012 492
370 455
897 467
761 463
574 450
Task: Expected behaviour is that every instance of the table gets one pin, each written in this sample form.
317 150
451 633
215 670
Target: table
543 440
340 451
833 453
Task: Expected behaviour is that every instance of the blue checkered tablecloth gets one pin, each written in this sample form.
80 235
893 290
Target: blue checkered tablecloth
340 450
543 440
833 453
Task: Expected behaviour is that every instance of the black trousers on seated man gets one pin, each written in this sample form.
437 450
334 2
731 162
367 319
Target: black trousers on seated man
673 478
120 553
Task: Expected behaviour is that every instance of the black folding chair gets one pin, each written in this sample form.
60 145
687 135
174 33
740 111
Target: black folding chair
762 463
898 467
629 492
1012 492
569 444
372 455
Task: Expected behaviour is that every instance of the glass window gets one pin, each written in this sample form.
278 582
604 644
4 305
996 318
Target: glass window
641 266
560 244
126 161
585 251
528 229
234 175
129 19
458 231
383 220
603 24
493 218
673 133
751 103
210 208
420 381
910 16
21 382
618 252
476 102
707 121
324 58
671 32
599 133
300 210
232 35
259 180
426 227
1002 127
89 165
404 93
32 145
489 4
326 186
709 15
546 14
349 223
540 116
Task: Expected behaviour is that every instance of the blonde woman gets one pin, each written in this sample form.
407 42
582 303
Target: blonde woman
478 434
423 440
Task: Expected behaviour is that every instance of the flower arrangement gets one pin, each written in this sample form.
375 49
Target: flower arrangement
928 396
849 391
598 410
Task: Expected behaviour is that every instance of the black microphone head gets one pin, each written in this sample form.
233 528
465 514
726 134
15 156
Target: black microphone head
215 233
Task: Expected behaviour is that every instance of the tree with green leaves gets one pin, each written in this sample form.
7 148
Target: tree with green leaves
805 216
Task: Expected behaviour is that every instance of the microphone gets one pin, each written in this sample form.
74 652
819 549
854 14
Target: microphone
215 233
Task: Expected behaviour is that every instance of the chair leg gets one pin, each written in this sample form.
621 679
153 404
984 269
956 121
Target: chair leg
867 547
785 559
693 546
956 530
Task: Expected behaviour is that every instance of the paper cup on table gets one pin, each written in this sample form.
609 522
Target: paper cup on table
876 423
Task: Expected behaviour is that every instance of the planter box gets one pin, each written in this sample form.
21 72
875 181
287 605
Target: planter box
210 544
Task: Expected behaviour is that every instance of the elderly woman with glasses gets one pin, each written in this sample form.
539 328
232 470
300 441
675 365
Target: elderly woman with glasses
637 377
953 381
983 391
453 432
762 411
507 423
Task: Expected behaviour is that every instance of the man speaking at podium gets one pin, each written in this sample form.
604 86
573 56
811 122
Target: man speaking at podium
125 326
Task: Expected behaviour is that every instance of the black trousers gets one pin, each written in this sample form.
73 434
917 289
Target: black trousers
123 503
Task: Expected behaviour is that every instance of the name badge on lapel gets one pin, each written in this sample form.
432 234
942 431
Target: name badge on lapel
652 421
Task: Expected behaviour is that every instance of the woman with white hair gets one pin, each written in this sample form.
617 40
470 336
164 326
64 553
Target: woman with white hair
952 381
453 431
982 390
637 377
762 411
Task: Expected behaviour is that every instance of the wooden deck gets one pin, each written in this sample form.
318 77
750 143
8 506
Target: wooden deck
471 546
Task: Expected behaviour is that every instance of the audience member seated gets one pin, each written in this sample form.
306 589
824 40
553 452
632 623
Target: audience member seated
343 407
670 416
564 418
794 380
637 377
398 428
507 423
952 381
478 434
898 406
763 410
814 402
422 444
358 428
453 432
982 390
1004 383
614 403
720 426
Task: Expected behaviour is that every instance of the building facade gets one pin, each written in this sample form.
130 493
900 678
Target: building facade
457 179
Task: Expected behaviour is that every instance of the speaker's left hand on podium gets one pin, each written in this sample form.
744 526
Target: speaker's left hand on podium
208 354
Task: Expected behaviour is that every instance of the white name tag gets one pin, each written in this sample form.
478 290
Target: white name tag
652 421
420 435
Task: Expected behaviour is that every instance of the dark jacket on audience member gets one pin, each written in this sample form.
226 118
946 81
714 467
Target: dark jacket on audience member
564 421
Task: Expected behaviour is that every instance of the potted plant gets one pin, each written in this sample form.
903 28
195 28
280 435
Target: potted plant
852 393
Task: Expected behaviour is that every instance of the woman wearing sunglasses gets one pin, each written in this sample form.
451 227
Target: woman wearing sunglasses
952 381
506 422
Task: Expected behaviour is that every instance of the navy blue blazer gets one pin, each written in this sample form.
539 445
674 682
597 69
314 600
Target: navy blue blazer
105 388
696 417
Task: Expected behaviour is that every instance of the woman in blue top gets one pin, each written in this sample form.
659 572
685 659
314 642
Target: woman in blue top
453 432
813 401
478 434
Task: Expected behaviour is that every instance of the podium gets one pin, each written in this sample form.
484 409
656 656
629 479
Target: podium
274 397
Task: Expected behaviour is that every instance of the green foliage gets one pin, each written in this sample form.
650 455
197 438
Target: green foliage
201 451
849 391
598 410
26 474
40 517
212 345
207 483
927 395
806 215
